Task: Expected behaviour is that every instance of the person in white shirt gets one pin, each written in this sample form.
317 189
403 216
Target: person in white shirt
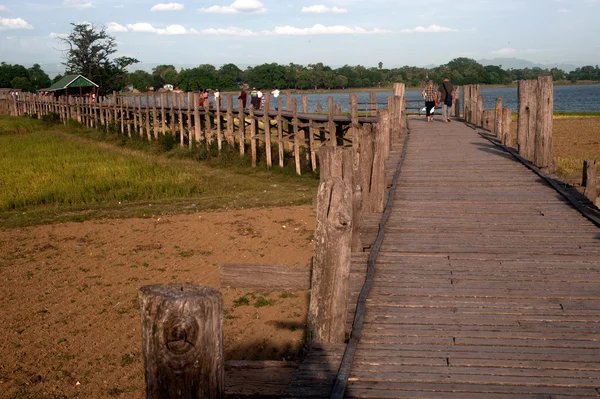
275 93
260 100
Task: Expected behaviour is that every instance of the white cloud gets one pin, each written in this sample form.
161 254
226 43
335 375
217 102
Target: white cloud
78 4
14 23
429 29
231 31
321 9
168 7
3 8
113 27
58 35
319 29
144 27
237 7
504 51
564 10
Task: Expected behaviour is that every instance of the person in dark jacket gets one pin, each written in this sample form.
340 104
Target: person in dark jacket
244 97
446 98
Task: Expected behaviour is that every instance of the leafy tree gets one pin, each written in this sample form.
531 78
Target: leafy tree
201 77
21 83
228 77
89 53
140 80
9 72
38 78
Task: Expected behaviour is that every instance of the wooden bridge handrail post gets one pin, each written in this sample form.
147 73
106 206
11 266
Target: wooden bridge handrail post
508 136
267 128
331 122
543 132
253 135
527 97
498 120
182 341
589 180
296 133
242 125
333 235
479 110
378 183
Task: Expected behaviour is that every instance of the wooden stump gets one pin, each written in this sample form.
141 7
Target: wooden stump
498 120
527 95
333 236
543 131
590 181
509 137
182 341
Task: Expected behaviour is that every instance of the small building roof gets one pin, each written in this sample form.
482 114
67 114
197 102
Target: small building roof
71 81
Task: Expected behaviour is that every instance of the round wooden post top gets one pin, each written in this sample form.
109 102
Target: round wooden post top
179 291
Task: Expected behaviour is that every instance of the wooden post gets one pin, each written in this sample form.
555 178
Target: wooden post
498 120
154 116
172 112
383 117
543 131
590 181
508 136
354 119
207 124
466 102
378 182
163 113
181 130
127 110
267 127
182 341
295 123
305 131
331 123
488 119
280 133
230 128
399 89
218 120
242 126
134 114
190 109
373 103
395 115
148 131
196 101
333 235
253 136
366 148
527 94
479 110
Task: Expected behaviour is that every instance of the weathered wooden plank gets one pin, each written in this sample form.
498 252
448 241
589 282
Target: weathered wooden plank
264 277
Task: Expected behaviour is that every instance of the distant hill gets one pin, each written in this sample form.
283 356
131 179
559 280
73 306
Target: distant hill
516 63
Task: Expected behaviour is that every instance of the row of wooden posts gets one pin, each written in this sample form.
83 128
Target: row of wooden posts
179 114
533 138
182 323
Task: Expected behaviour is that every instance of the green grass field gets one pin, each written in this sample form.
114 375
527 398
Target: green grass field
56 173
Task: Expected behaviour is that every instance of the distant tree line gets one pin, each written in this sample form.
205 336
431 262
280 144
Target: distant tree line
112 75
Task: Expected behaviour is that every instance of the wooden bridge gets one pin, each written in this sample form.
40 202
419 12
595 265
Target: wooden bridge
478 277
486 284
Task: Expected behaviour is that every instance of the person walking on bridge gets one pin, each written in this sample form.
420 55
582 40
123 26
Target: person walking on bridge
446 98
430 95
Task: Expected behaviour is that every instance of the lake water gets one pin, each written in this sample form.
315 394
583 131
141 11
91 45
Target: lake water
566 98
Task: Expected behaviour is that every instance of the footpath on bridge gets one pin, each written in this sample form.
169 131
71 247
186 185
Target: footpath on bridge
487 284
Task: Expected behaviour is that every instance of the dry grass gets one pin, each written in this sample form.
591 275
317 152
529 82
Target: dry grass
574 140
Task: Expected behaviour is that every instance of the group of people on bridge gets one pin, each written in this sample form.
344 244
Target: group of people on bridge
257 98
443 95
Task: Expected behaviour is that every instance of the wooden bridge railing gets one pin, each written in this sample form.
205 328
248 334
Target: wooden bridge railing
179 321
180 115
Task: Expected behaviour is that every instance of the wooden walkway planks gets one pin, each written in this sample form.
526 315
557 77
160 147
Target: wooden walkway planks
487 284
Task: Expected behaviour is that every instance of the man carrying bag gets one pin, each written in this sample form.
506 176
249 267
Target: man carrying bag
446 98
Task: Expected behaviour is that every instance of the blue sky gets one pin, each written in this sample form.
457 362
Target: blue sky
335 32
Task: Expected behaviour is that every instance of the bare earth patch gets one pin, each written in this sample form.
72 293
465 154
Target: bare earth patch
68 295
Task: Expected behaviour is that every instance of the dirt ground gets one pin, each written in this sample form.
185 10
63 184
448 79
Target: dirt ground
68 295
